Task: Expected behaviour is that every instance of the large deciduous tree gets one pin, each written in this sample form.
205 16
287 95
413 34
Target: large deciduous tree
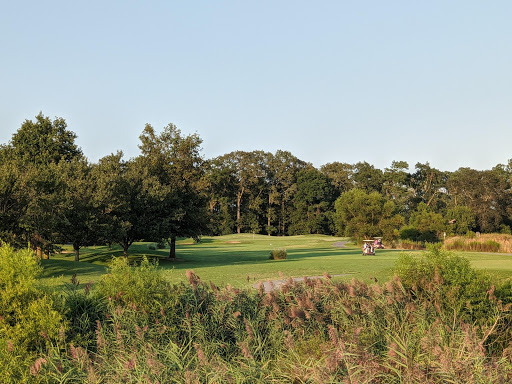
78 214
340 174
396 185
248 171
35 194
360 215
44 140
126 200
283 172
175 161
367 177
312 203
428 186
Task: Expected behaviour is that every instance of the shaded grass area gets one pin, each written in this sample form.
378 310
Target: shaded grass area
243 260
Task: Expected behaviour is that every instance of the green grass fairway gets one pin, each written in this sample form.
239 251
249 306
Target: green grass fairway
243 260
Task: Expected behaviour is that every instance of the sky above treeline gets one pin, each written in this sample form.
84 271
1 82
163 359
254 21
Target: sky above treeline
328 81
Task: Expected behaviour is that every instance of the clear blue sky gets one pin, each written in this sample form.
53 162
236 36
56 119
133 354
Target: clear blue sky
344 81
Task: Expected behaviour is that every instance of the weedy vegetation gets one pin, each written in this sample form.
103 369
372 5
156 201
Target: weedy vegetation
437 321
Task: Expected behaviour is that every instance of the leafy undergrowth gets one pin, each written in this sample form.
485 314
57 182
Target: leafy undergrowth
437 321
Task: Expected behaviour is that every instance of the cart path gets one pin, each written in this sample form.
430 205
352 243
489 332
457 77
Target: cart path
340 244
273 285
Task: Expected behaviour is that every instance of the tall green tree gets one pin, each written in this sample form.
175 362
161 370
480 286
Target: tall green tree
367 177
396 186
284 169
221 187
427 224
44 140
340 174
78 213
429 186
486 193
313 203
125 199
461 219
361 215
36 150
249 172
175 161
13 200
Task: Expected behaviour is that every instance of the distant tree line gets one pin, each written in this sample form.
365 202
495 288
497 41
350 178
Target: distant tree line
51 194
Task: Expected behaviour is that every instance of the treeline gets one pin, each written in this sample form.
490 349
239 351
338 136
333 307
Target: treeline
51 194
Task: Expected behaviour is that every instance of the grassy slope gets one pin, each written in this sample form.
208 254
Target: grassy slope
242 260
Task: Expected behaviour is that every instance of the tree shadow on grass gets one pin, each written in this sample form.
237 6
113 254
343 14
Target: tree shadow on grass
199 255
57 268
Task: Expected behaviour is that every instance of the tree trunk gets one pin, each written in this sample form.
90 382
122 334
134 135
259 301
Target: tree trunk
172 250
282 217
125 249
268 215
76 248
238 216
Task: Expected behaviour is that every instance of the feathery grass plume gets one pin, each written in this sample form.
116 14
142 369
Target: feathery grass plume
200 355
244 348
288 339
248 328
34 369
130 364
333 334
193 279
191 377
351 290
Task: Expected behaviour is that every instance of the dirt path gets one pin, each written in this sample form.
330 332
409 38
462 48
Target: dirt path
272 285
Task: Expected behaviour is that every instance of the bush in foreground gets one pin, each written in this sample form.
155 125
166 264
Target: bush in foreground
318 331
29 320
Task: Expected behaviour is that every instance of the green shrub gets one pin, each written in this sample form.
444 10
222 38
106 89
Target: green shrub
447 280
278 254
29 321
142 286
409 233
27 316
505 229
83 308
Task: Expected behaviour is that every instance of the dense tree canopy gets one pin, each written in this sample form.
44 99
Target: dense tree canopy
50 194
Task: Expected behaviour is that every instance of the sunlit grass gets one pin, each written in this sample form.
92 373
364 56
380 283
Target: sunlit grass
243 260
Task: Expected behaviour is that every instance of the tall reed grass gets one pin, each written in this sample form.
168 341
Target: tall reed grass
492 242
437 321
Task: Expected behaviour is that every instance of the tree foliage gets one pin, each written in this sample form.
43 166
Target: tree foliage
50 193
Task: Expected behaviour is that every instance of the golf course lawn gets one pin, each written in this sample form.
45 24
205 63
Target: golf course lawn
243 260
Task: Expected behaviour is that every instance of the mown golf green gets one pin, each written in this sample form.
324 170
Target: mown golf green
243 260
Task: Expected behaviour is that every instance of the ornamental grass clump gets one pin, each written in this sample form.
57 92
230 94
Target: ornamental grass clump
489 242
278 254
